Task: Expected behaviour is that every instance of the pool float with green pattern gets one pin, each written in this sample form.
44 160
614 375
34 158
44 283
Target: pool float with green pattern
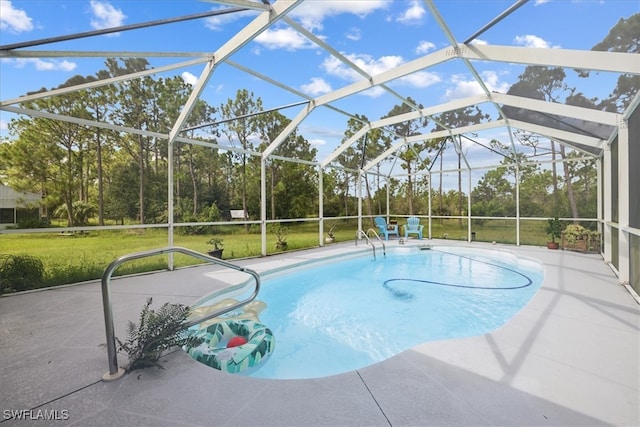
241 359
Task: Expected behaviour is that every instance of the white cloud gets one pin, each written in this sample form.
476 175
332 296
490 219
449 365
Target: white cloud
322 133
189 78
374 92
45 65
493 83
479 42
539 2
468 145
105 15
354 34
317 141
424 47
284 38
373 66
464 88
12 19
413 15
420 79
532 41
218 22
311 14
318 86
370 65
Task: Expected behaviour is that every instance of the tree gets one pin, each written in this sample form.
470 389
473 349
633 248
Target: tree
291 183
269 126
65 145
543 83
28 165
100 101
362 151
239 127
454 119
196 156
495 194
132 112
623 37
409 156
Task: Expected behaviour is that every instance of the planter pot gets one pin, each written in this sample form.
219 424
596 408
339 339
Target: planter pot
329 239
553 245
216 253
585 243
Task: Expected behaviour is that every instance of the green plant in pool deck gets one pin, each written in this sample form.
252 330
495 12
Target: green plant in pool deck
577 237
574 232
281 234
331 234
554 229
156 332
218 247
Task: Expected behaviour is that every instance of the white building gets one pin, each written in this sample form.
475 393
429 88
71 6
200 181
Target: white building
15 205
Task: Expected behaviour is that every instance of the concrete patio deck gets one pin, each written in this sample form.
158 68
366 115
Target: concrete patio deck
570 357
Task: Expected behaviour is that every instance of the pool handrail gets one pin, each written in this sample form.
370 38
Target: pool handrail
114 372
366 236
375 233
360 233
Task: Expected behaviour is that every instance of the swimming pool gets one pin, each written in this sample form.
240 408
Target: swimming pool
342 315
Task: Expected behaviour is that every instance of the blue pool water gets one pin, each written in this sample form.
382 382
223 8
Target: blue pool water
347 314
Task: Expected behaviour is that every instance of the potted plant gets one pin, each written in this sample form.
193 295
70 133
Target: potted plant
281 235
554 231
578 238
331 236
217 249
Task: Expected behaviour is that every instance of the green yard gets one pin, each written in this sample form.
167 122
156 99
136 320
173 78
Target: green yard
75 257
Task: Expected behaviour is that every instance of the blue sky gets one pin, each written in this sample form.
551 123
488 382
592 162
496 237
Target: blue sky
376 35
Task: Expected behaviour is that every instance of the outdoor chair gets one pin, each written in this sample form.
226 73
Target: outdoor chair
413 227
386 229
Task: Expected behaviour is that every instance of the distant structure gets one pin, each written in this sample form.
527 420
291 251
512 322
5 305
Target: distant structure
16 206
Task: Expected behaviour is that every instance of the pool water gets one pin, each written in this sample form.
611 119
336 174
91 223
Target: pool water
347 314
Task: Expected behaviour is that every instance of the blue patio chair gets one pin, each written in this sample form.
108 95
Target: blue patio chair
413 227
386 229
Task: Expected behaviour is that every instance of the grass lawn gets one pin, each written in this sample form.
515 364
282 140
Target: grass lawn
71 258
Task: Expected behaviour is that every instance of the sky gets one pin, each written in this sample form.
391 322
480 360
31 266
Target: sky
376 35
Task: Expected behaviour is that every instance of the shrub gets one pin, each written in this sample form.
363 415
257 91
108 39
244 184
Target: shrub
20 273
26 223
574 232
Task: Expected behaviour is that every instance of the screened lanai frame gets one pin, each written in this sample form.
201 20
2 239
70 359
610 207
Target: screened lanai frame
589 131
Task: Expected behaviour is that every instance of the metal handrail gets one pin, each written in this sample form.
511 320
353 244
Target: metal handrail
384 247
115 373
366 236
362 233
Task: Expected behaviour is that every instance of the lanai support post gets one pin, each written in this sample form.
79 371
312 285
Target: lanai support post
606 190
263 205
321 205
624 188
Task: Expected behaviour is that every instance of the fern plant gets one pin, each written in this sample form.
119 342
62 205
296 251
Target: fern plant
155 333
